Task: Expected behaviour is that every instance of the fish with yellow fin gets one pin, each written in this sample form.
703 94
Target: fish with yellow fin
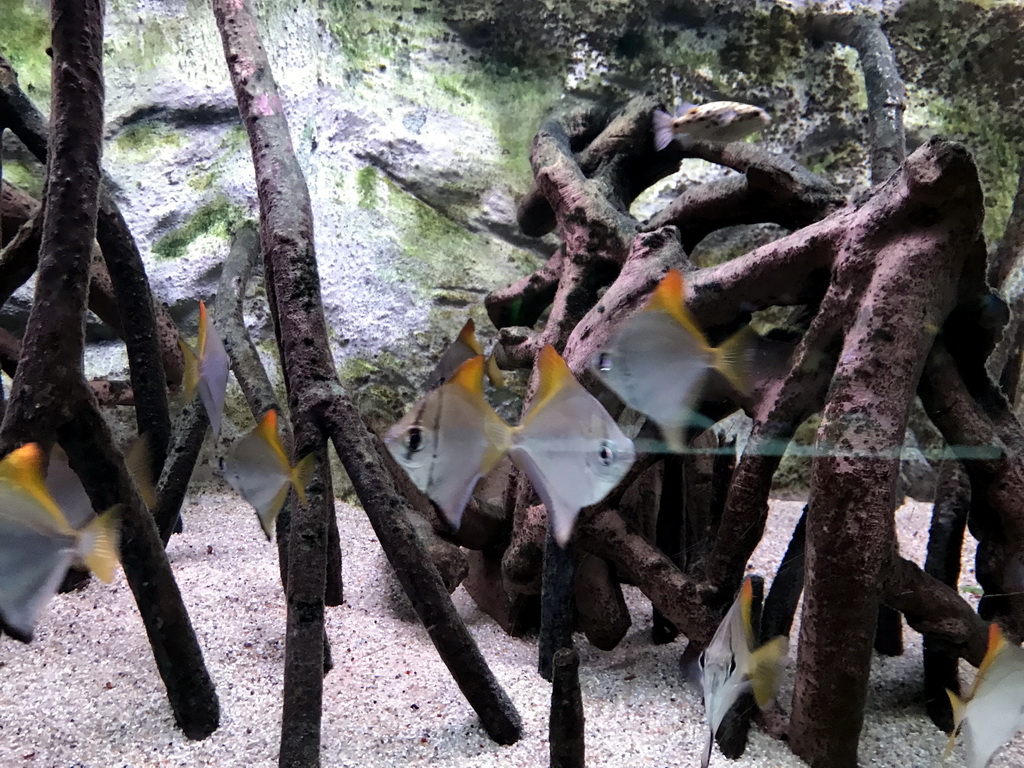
570 447
717 121
37 543
732 664
206 371
258 468
993 712
657 359
450 439
138 460
459 351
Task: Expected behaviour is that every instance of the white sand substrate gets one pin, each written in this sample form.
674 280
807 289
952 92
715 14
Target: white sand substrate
85 693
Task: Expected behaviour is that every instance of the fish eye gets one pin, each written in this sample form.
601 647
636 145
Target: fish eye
604 362
608 453
414 440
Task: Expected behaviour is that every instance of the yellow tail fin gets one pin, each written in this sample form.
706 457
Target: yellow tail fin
139 463
765 667
732 359
301 475
100 540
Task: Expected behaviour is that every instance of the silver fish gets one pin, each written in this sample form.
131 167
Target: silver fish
459 351
993 712
259 469
37 543
572 450
450 439
731 666
718 121
207 371
657 359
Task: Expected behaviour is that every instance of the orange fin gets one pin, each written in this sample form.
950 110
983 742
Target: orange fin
203 320
190 377
470 375
468 337
670 297
267 429
554 377
732 358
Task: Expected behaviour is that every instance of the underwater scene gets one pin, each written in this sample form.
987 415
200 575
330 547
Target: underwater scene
511 383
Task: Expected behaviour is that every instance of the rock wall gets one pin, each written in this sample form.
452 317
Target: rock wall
413 121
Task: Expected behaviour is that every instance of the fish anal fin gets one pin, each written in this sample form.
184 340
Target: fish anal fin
765 667
268 515
301 475
101 539
732 359
959 711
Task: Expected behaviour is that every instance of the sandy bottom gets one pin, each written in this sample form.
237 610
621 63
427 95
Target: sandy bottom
85 693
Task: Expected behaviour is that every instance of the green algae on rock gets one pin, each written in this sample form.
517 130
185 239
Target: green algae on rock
215 219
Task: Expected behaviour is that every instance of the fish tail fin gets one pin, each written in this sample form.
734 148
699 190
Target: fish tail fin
301 474
499 440
190 377
494 372
732 358
662 129
673 434
765 669
959 711
99 543
139 462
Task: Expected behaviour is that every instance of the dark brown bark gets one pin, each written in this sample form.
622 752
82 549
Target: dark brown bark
50 399
317 403
945 544
556 604
850 525
566 721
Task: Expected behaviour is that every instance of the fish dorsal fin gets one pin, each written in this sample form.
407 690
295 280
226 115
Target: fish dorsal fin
267 429
468 337
554 377
24 467
190 376
470 376
684 107
669 297
746 599
203 320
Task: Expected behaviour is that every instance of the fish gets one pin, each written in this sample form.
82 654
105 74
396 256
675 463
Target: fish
570 447
731 665
656 360
38 543
258 468
717 121
207 370
992 713
450 439
139 463
459 351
